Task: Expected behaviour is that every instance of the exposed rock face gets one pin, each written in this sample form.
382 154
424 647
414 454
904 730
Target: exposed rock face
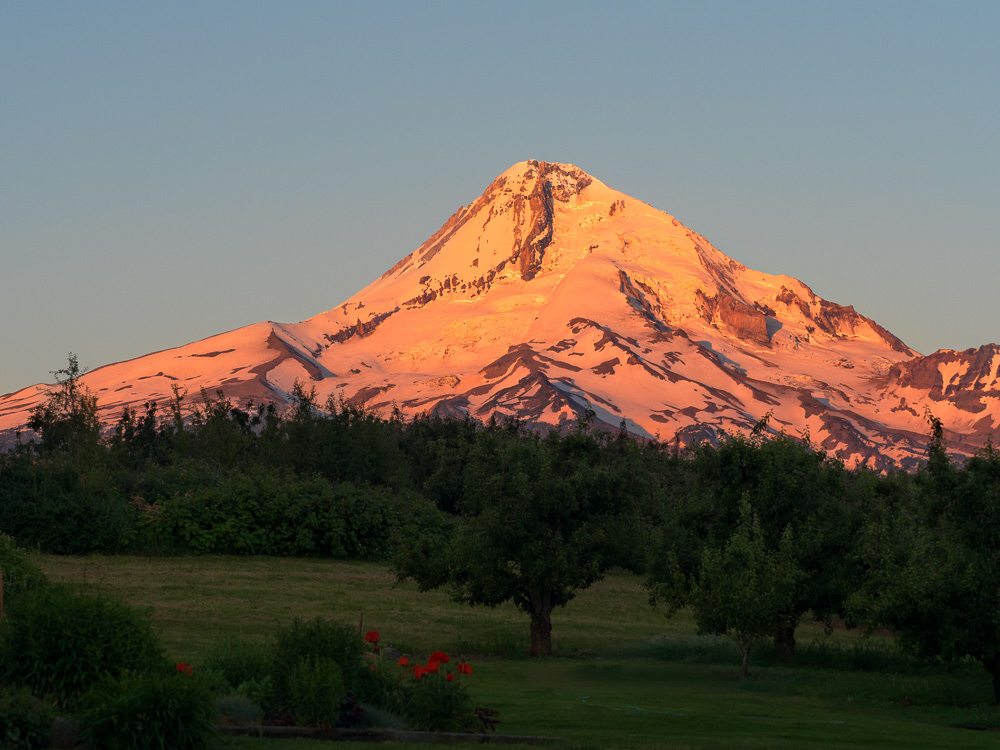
362 328
834 319
960 388
552 294
747 322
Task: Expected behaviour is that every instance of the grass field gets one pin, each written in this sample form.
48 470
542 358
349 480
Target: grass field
624 675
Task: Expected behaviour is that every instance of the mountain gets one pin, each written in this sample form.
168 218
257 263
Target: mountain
553 293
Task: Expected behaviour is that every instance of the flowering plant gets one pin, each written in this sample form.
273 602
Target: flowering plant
436 698
432 695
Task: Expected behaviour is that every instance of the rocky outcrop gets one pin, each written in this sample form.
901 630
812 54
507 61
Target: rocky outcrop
360 328
962 378
836 320
747 322
644 300
534 209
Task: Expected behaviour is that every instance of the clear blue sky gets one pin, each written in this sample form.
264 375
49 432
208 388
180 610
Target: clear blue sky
169 171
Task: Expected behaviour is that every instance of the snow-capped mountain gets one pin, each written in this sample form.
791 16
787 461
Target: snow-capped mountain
552 293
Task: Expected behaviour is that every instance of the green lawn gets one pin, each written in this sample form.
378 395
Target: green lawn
625 676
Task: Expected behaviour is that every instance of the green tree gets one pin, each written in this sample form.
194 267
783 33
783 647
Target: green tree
538 520
741 589
934 557
342 441
790 486
67 420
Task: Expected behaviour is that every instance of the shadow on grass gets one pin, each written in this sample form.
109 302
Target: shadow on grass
861 656
875 673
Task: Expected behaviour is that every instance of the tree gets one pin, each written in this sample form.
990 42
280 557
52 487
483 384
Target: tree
224 435
67 420
741 589
341 441
790 486
934 558
537 521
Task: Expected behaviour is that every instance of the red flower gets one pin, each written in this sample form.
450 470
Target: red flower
451 677
419 672
184 668
464 668
441 657
432 667
403 661
372 637
371 667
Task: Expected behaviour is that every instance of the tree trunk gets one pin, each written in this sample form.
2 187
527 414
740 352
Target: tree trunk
541 625
784 642
992 664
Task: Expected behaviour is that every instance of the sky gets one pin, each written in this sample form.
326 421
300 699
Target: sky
169 171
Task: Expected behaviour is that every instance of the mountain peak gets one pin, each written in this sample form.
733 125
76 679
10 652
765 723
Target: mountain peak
561 180
552 293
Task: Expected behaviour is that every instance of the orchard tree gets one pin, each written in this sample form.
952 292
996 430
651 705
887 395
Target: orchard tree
934 561
538 520
790 486
742 588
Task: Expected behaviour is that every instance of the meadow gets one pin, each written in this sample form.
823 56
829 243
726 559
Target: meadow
624 675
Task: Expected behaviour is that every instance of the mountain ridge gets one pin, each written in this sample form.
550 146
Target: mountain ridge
552 293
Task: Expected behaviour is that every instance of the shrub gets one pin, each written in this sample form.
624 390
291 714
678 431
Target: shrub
213 679
275 512
381 688
256 513
48 505
241 661
439 704
153 710
58 644
315 639
25 722
432 696
315 691
260 691
19 573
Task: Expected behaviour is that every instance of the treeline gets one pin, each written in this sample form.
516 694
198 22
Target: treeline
755 533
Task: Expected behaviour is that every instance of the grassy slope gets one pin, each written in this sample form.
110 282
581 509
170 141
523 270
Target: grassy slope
625 676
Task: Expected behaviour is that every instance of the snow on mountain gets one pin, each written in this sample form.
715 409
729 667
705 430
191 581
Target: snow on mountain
553 293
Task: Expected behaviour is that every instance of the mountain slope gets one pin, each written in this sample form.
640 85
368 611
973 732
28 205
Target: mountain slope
553 293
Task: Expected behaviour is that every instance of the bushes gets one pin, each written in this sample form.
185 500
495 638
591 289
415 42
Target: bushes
315 691
240 661
20 574
314 640
94 654
152 710
275 512
439 704
432 697
59 644
96 657
316 672
306 670
51 506
25 722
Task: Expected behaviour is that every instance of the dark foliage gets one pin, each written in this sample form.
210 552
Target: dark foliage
58 644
